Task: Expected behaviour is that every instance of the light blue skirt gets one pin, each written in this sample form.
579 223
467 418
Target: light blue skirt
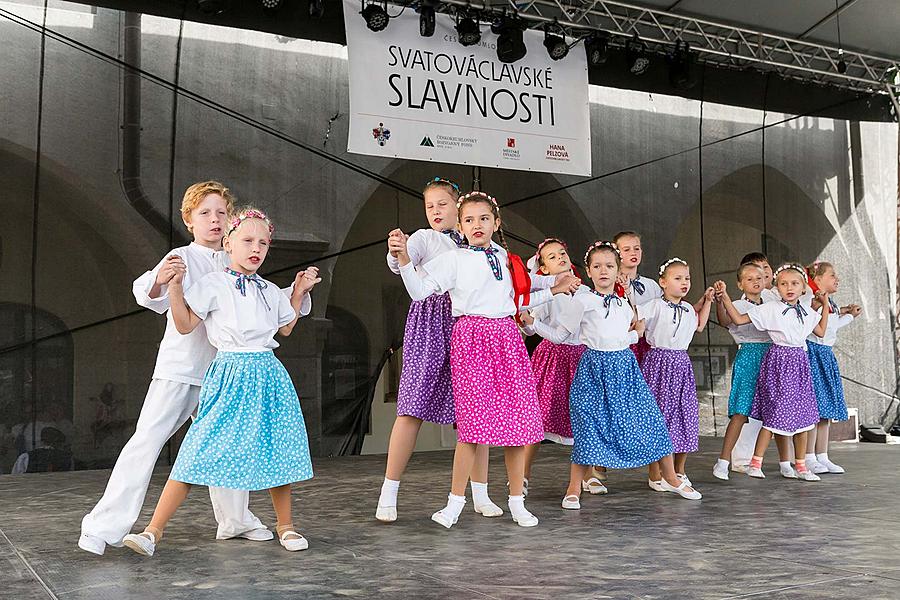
744 375
826 378
249 433
616 422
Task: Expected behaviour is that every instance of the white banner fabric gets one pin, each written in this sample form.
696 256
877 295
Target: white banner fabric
434 99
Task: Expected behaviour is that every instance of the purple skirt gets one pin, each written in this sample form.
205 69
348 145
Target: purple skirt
425 390
670 377
784 400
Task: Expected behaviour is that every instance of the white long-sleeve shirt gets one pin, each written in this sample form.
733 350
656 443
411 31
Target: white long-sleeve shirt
474 290
558 321
747 333
423 246
835 321
783 325
668 327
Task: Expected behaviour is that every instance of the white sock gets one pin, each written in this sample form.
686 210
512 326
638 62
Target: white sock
517 505
480 494
784 464
810 458
389 491
454 506
722 463
822 458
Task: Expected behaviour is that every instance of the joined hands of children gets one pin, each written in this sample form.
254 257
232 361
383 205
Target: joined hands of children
720 290
526 318
851 309
397 242
639 325
172 267
566 283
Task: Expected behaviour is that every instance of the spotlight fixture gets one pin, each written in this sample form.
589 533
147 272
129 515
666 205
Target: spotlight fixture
468 32
596 46
376 17
426 18
212 7
510 45
681 61
271 6
556 45
316 9
636 56
841 65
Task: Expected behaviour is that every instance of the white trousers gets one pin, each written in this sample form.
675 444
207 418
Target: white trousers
166 408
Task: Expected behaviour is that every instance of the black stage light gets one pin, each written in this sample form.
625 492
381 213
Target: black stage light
468 32
556 45
271 5
426 19
841 66
316 8
376 17
596 46
681 71
510 45
636 56
212 7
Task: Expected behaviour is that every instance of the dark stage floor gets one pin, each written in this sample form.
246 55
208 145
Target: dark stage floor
774 538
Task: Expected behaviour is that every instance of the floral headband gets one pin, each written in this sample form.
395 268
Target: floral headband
437 180
479 195
670 262
249 214
793 266
600 244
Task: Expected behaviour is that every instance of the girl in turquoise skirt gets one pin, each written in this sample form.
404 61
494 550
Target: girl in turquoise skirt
752 346
249 432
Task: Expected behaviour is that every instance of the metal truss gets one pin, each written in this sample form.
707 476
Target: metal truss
719 44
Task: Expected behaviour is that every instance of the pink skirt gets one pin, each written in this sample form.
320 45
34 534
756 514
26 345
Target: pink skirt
554 368
493 385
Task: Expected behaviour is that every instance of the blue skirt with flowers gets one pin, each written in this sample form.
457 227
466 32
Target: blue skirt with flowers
249 433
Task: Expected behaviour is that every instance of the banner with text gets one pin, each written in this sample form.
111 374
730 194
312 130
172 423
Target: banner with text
434 99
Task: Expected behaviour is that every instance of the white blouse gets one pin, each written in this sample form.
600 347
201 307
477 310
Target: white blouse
423 246
652 291
558 321
474 290
835 322
235 322
605 327
668 327
747 333
782 324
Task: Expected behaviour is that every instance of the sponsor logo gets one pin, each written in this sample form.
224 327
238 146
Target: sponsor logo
426 141
509 152
557 152
452 141
510 142
381 134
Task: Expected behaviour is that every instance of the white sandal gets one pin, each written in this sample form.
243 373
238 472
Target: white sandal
594 486
293 544
681 490
573 504
442 519
143 543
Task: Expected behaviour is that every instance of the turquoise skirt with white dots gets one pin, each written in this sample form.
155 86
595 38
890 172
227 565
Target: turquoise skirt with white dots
615 419
249 433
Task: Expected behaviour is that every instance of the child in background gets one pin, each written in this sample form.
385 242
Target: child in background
670 327
752 347
826 375
556 358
